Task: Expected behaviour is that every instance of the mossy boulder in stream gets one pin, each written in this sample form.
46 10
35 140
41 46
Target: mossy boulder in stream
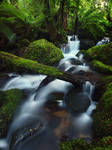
102 53
100 57
103 114
8 102
44 52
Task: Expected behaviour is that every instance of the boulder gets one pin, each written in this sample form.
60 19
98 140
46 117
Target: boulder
100 57
102 53
44 52
77 101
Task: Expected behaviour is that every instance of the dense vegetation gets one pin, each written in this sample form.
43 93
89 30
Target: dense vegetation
33 28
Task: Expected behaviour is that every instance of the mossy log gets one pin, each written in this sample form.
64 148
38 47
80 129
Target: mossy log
18 64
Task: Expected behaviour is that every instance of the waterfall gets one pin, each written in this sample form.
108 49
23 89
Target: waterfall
88 88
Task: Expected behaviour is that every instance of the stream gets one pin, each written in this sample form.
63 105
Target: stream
57 111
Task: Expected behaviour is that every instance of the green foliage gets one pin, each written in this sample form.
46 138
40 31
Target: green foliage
44 52
85 15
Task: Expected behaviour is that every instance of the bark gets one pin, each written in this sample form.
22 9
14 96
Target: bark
18 64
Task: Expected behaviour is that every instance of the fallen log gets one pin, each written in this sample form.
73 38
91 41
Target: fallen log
17 64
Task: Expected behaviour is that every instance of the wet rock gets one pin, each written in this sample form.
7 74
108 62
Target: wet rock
62 67
77 101
72 69
26 132
74 61
81 72
72 38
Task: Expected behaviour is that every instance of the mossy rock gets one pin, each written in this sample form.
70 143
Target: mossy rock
101 67
102 53
8 103
107 79
103 116
44 52
80 144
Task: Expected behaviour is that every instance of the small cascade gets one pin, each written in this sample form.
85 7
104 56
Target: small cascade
72 48
81 57
105 40
88 88
4 144
23 82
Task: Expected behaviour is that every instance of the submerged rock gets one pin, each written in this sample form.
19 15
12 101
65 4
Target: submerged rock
44 52
74 61
8 102
77 101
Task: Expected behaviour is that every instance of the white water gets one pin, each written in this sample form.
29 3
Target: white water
32 109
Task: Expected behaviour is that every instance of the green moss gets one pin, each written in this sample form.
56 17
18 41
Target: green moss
79 144
103 115
8 101
44 52
107 97
15 63
102 53
101 67
107 79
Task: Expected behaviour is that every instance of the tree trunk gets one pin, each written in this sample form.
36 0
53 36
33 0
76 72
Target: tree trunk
18 64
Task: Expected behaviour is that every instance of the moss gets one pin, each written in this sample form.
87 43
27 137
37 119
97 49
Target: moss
101 57
101 67
44 52
107 79
103 115
18 64
8 101
105 142
75 145
79 144
102 53
15 63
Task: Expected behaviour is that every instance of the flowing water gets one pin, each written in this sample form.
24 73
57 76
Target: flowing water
48 108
